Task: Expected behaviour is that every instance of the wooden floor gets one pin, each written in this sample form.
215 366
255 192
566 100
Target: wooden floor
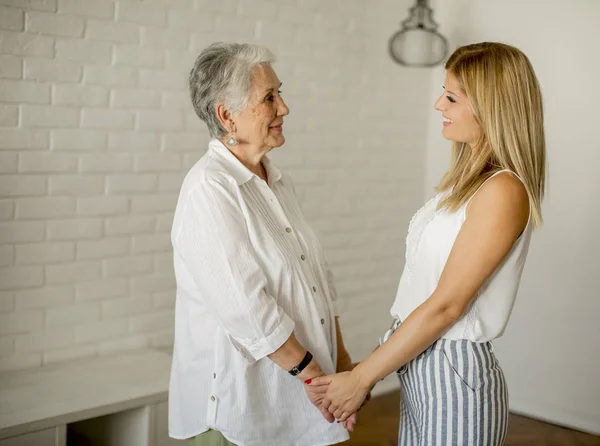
378 426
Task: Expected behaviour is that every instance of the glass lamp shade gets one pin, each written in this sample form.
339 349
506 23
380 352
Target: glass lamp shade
418 44
418 47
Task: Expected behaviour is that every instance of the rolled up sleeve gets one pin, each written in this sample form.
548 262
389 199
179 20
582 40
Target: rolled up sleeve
216 249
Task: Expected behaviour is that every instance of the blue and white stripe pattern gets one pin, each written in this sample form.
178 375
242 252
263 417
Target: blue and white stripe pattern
454 393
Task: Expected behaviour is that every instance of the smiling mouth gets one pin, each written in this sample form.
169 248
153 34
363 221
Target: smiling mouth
277 127
447 121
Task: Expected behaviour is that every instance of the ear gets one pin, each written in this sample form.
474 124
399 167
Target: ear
225 118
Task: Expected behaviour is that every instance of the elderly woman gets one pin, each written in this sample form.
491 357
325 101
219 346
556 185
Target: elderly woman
255 310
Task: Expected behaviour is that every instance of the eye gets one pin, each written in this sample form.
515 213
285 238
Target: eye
271 97
451 99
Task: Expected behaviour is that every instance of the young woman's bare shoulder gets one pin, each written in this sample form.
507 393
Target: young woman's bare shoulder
505 196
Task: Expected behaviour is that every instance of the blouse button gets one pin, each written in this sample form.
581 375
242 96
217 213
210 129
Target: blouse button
303 257
288 230
314 289
212 398
322 321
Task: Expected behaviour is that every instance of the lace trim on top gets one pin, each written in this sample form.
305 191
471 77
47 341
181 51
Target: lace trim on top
415 232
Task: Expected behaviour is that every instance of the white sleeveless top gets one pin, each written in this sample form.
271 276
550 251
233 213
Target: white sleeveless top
431 235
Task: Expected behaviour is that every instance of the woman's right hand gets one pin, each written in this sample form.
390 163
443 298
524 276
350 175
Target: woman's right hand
315 393
350 422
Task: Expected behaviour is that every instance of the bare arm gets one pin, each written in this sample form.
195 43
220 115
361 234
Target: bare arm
497 216
290 354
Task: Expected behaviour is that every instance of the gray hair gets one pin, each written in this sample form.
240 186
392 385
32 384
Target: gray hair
222 73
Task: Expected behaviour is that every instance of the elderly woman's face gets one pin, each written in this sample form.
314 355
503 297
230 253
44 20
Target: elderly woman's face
260 123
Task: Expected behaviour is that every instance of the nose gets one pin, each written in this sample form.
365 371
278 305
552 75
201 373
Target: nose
439 104
282 108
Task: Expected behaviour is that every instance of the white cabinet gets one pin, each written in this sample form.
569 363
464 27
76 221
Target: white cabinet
162 427
108 401
47 437
126 428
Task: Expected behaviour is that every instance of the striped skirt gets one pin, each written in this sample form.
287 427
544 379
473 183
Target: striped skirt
454 393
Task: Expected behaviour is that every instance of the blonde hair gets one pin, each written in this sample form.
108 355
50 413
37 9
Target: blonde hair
506 101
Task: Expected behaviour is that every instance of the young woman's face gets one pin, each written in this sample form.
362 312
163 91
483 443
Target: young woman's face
459 123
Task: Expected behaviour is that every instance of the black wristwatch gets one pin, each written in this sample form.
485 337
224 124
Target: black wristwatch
298 369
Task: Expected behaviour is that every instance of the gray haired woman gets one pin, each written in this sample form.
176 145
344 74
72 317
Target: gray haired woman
256 307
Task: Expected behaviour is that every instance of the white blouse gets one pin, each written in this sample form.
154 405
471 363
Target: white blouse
249 271
431 235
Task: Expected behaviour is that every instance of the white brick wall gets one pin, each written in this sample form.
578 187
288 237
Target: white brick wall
97 132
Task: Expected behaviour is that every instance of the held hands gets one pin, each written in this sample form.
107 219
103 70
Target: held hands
345 364
344 394
315 394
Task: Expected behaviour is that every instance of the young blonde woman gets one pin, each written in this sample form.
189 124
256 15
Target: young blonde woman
465 253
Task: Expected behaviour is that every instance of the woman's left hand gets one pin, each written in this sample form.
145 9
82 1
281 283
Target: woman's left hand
345 394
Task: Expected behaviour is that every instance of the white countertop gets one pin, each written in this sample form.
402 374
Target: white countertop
66 392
